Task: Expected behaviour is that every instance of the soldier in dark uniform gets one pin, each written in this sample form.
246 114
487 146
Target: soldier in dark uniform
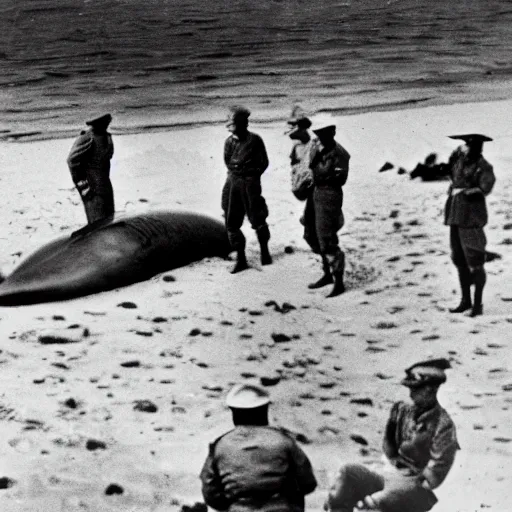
255 466
472 178
323 215
246 159
420 444
89 164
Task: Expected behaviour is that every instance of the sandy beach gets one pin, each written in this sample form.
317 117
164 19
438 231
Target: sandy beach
69 414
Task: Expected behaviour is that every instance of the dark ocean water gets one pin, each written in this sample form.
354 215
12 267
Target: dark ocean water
155 63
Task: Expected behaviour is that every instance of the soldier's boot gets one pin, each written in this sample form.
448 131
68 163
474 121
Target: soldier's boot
263 234
237 241
241 262
479 279
325 279
465 279
338 270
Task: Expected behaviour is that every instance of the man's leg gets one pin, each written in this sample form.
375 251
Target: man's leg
459 260
337 263
257 211
473 242
234 212
352 483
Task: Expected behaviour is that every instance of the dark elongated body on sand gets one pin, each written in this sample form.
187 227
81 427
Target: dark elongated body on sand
114 254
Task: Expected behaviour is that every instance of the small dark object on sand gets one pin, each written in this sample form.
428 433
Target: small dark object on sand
430 170
114 489
386 167
196 507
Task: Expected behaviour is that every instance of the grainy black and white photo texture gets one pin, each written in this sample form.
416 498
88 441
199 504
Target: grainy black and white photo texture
255 255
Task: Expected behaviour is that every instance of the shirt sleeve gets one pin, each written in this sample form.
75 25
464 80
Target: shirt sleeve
211 486
486 178
442 454
304 475
262 155
389 444
228 151
79 155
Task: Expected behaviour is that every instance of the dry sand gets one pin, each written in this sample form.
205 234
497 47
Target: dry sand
67 419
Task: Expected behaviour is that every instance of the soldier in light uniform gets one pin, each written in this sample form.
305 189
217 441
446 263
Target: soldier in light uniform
89 164
323 216
246 158
472 179
301 175
255 467
420 444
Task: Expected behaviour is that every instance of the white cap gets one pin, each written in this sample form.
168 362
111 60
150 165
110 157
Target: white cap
321 121
247 396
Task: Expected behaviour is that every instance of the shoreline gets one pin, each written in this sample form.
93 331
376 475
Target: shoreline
128 123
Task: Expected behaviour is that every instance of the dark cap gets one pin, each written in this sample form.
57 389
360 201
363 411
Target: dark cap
430 372
471 138
104 119
239 111
298 118
247 396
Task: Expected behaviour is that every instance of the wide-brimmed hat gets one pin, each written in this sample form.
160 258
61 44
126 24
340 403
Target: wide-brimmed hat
322 121
103 119
472 138
298 118
247 396
431 372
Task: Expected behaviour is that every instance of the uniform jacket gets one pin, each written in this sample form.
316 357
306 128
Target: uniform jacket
247 157
425 443
256 468
329 166
89 160
468 211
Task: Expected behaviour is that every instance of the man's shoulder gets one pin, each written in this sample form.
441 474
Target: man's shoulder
341 151
484 164
445 420
255 137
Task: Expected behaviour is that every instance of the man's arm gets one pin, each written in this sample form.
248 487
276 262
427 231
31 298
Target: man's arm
212 489
304 475
262 157
442 454
389 445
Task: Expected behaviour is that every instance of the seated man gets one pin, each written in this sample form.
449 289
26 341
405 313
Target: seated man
255 467
420 444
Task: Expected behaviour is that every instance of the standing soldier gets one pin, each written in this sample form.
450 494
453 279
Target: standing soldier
420 444
89 164
472 178
302 178
323 216
246 159
255 467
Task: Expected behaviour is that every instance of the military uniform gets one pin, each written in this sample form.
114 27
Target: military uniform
420 446
89 164
246 161
323 214
467 214
256 468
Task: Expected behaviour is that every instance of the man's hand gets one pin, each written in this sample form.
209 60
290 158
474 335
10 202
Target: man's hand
367 503
473 191
83 188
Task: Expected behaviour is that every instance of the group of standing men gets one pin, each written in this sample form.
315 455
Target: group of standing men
320 169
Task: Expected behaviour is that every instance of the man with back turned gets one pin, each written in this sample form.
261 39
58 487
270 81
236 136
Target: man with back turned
89 164
255 467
